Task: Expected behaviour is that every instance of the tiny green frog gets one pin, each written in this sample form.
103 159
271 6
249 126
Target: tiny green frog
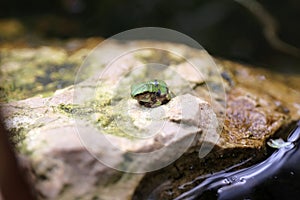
151 93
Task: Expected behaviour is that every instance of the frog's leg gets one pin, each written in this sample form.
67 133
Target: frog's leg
157 103
146 104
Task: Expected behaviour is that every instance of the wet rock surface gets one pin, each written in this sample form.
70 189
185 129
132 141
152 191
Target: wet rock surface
62 135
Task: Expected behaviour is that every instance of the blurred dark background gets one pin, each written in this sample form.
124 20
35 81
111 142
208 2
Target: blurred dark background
224 28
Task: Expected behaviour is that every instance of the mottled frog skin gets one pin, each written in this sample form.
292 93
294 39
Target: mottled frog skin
151 93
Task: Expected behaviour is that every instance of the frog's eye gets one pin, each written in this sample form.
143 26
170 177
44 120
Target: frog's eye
155 83
158 92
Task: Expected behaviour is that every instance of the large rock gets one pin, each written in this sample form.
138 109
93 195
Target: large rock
61 161
79 138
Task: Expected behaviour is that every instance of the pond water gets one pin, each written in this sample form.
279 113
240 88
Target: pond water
277 177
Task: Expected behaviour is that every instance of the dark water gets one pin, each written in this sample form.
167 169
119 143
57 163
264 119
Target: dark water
278 177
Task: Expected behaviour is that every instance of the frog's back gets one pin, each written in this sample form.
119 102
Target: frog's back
149 86
139 89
